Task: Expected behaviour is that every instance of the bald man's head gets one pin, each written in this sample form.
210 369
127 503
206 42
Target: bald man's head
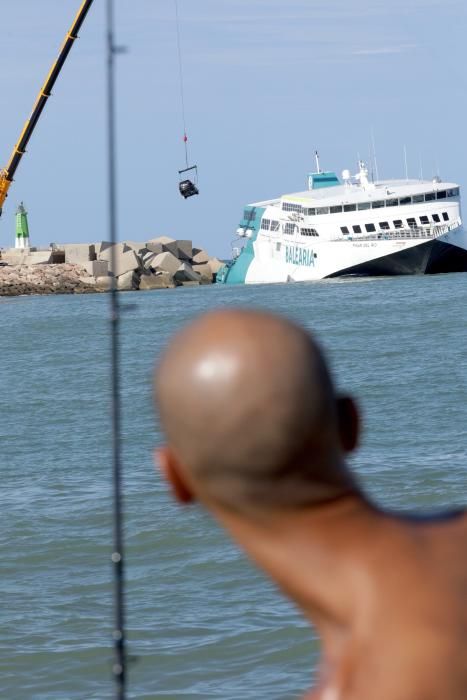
250 414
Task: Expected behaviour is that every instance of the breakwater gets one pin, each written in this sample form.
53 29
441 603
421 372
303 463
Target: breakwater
160 263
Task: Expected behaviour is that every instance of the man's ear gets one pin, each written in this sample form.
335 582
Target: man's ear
170 468
349 423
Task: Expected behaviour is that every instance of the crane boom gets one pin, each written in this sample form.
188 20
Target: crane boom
7 175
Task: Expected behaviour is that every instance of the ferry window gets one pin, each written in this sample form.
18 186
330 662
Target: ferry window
418 198
412 223
392 202
265 224
275 226
405 200
344 229
398 223
436 218
424 220
357 229
289 229
384 225
371 228
364 205
445 216
441 195
336 210
430 196
350 207
309 212
278 246
322 210
378 205
249 214
308 232
289 206
454 192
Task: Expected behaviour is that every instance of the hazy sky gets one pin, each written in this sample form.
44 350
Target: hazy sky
267 82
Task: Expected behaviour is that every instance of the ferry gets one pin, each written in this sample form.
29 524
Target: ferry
353 226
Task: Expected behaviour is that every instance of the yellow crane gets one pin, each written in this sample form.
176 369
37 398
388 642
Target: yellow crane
8 173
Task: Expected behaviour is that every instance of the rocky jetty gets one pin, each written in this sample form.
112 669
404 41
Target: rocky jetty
43 279
160 263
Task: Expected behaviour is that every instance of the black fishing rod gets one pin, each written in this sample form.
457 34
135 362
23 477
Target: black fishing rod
119 667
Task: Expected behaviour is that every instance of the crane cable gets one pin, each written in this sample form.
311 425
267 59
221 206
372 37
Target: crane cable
181 80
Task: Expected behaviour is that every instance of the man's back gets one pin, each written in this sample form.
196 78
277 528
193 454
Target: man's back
408 633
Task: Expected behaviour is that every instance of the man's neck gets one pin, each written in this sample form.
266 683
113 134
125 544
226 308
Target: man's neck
310 552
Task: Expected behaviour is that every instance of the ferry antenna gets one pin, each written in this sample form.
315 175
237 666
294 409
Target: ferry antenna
318 169
120 659
375 162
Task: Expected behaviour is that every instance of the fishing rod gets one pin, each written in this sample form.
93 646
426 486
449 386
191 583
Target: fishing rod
119 668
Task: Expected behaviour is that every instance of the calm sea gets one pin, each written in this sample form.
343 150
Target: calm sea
202 622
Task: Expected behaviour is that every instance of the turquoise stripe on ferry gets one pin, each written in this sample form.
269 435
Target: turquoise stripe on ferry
236 273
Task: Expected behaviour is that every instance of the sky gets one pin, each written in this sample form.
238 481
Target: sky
267 82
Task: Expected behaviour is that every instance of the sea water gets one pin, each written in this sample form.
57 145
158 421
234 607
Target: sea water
202 622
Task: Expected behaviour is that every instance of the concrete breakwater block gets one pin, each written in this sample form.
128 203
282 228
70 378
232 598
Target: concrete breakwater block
200 256
163 240
90 281
105 252
148 258
215 264
127 281
182 249
97 268
124 261
103 284
166 262
155 246
101 247
120 259
185 249
159 280
139 248
185 273
205 273
29 257
79 253
162 244
13 256
39 258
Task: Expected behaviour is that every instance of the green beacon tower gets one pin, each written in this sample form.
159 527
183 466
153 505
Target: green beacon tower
22 228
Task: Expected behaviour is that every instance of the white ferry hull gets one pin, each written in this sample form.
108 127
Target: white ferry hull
385 228
300 263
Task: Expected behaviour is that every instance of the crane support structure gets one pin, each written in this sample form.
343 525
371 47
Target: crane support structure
8 173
